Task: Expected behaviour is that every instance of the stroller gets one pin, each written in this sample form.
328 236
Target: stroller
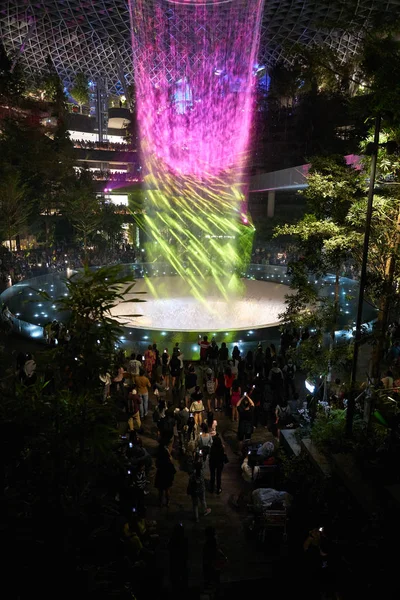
270 509
259 466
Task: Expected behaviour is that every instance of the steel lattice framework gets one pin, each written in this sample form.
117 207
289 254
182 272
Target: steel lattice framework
94 35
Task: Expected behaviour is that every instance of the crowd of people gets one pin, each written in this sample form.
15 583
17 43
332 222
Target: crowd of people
272 254
186 398
183 404
277 255
24 264
131 385
253 390
107 175
105 145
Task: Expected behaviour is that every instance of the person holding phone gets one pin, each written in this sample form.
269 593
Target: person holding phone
165 358
245 408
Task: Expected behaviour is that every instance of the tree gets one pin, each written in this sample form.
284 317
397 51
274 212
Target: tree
83 208
80 90
380 65
371 79
59 451
307 109
45 166
15 209
90 297
334 233
383 269
12 84
324 242
137 208
111 220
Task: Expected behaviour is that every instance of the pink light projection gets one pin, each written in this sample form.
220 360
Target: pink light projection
195 76
195 113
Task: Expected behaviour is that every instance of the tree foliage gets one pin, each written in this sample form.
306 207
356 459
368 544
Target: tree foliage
380 64
12 84
80 89
91 294
112 218
83 208
60 464
332 233
14 206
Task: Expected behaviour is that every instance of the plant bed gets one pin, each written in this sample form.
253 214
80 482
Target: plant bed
290 442
346 468
317 457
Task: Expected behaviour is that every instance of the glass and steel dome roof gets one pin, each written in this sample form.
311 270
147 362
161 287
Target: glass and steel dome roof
94 36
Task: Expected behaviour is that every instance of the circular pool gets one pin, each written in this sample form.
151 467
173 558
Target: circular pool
171 315
170 306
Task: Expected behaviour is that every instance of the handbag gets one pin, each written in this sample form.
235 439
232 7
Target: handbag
190 488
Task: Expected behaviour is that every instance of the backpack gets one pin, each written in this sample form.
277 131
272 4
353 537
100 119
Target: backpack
210 386
164 359
223 353
213 352
249 364
282 412
205 447
290 372
283 415
166 427
156 415
276 378
180 420
175 363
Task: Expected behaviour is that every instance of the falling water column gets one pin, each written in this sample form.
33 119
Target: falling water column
195 84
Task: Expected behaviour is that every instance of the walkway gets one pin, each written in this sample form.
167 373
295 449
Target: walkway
247 560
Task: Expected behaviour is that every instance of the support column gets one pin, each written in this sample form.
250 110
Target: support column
271 204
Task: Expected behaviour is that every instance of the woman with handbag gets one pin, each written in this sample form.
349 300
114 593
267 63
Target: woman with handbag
217 460
197 489
204 441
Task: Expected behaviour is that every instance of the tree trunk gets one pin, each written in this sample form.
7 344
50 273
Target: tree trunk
18 242
10 240
332 333
46 226
384 306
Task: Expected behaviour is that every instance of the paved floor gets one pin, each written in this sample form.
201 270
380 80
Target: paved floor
247 559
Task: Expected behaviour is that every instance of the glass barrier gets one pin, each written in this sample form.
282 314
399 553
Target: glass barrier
26 313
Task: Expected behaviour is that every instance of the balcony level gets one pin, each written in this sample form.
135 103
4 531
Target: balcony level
119 118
